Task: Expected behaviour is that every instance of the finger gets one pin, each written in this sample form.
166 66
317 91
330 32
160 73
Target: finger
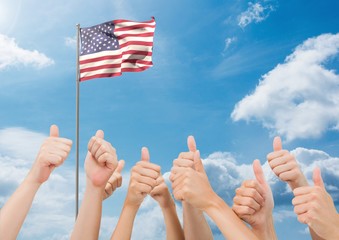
258 172
148 165
284 168
186 155
181 162
100 134
251 193
243 210
301 208
145 154
277 145
317 179
192 146
251 186
302 190
54 131
198 166
280 160
247 201
120 166
302 199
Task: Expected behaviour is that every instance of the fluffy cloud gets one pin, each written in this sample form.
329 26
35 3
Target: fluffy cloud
256 12
299 98
11 55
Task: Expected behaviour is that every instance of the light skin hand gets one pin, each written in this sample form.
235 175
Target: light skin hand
195 224
161 194
52 154
143 179
115 181
254 204
315 207
285 166
185 180
101 160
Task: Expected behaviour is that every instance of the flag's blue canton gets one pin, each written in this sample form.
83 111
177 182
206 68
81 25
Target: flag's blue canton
98 38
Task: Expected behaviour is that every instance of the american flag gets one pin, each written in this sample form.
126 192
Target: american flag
114 47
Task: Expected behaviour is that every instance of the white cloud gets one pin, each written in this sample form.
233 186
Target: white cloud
256 12
11 55
71 42
299 98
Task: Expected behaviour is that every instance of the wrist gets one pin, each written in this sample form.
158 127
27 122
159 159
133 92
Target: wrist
266 229
214 203
301 181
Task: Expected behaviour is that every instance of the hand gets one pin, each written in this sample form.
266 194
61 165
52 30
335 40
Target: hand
161 194
284 165
114 181
315 207
253 201
186 159
143 179
192 185
101 160
52 154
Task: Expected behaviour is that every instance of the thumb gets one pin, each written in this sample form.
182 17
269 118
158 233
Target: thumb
120 166
277 145
192 146
54 131
258 172
145 154
100 134
317 179
198 166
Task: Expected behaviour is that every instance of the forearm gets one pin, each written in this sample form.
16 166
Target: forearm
314 235
87 224
14 212
173 227
300 182
227 221
124 227
195 224
267 231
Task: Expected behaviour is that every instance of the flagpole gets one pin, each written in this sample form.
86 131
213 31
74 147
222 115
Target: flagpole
77 125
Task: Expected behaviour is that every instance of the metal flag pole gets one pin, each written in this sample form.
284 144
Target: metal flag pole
77 125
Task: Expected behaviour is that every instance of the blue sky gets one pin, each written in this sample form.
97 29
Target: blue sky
232 73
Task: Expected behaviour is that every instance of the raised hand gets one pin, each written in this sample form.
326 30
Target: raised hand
114 181
143 179
192 185
53 152
285 166
101 160
315 207
254 204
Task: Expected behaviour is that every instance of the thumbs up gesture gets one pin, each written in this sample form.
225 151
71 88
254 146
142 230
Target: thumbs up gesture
315 207
192 186
285 166
254 203
114 181
53 152
101 160
143 179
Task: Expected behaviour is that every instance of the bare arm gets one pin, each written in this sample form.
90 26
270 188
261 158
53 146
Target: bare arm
53 153
195 224
193 187
142 181
161 194
100 163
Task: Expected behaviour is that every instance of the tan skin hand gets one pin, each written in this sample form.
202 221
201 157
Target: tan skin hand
315 207
184 182
161 194
52 154
101 160
285 166
115 181
143 179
